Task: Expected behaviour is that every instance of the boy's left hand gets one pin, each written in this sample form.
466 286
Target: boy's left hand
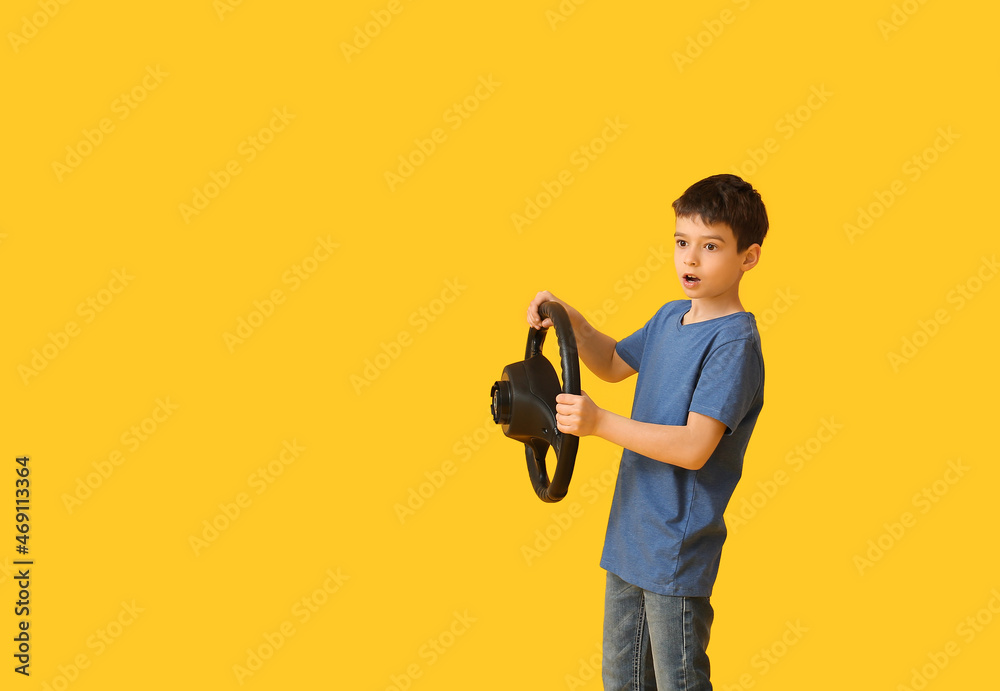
576 414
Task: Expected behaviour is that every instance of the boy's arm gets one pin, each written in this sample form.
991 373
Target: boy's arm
687 446
596 349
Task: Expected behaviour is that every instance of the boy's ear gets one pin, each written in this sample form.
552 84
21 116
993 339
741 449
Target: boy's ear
751 255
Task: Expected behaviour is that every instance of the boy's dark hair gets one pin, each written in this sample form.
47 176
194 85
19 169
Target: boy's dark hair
727 199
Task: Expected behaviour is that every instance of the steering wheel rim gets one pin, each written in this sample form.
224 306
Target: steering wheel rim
565 445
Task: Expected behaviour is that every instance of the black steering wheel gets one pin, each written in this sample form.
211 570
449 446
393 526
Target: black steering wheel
524 404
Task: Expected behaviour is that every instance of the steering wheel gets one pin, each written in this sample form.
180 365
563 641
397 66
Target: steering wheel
524 404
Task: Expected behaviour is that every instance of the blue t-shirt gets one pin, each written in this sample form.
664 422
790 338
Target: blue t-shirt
666 529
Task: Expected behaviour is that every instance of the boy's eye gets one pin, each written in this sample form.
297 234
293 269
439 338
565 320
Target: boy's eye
710 246
681 243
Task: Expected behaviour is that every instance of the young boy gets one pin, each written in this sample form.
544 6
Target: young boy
697 397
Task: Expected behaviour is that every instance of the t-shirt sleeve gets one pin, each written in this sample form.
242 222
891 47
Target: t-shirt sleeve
728 383
630 348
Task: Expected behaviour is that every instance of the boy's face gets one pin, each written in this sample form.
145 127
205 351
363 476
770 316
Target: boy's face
706 259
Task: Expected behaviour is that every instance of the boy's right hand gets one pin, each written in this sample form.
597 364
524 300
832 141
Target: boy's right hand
535 320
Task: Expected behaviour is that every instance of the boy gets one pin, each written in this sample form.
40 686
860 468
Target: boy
697 398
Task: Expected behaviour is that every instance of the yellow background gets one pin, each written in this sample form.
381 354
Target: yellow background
458 571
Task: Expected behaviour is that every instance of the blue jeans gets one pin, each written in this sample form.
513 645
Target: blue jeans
654 642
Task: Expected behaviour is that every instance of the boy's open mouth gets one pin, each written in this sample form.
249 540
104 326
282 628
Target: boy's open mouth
690 280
